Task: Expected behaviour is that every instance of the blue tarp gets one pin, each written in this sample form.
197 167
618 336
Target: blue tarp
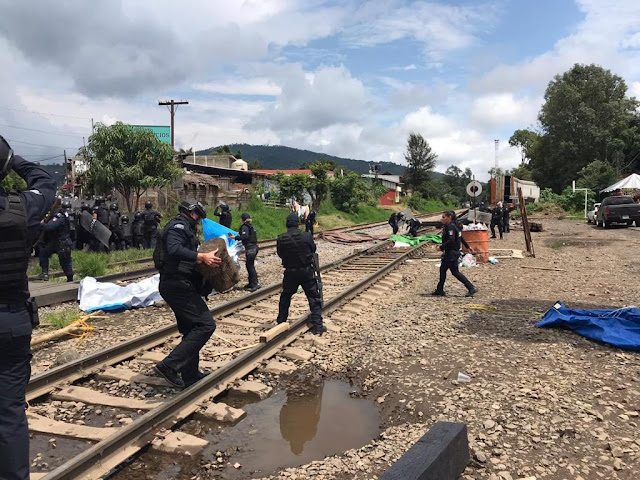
618 327
211 229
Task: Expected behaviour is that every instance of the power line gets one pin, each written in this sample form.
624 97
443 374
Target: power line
42 113
38 145
44 131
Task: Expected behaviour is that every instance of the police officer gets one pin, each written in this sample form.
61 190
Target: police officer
117 236
451 254
222 211
150 221
496 220
249 238
83 237
137 230
182 288
296 249
58 240
20 216
393 221
506 213
413 227
101 214
73 220
310 221
127 231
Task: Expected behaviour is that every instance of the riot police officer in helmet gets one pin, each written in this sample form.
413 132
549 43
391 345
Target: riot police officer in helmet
117 237
58 240
296 249
181 286
150 221
222 211
137 230
20 216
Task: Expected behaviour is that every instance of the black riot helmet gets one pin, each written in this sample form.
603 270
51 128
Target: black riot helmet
224 207
193 206
66 204
114 207
137 216
148 205
6 158
293 220
99 200
85 207
125 219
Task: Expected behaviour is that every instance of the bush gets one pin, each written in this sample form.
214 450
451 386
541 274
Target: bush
91 264
348 191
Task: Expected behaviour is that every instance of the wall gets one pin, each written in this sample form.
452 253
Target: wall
388 198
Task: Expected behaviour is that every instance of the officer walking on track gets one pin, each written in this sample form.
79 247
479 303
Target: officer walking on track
249 238
451 247
20 216
58 240
296 249
150 220
182 287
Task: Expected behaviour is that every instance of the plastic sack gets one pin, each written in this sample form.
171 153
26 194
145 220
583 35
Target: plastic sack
234 250
212 229
94 295
468 261
493 260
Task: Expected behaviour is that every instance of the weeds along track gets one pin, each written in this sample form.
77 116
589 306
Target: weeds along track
78 404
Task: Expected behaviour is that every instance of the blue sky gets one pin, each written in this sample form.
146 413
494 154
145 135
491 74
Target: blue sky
350 78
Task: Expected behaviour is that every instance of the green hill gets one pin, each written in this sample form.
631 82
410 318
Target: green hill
278 157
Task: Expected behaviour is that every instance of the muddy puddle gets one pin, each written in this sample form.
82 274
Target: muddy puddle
290 428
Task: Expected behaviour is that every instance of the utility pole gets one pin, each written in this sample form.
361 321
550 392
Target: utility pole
496 143
173 107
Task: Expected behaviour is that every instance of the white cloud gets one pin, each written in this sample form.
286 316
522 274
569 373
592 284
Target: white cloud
240 86
504 109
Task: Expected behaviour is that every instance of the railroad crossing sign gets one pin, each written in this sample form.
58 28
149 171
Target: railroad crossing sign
474 188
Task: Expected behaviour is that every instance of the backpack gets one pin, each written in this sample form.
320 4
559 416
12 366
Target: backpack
149 218
158 251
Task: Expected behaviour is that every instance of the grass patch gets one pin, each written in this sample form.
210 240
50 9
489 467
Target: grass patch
58 320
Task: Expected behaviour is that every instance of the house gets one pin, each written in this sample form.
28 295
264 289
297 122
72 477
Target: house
393 183
505 189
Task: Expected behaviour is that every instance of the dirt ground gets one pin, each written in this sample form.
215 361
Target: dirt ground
541 403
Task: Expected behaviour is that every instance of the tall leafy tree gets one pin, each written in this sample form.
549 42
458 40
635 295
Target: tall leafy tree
129 161
586 116
597 176
525 141
421 161
318 186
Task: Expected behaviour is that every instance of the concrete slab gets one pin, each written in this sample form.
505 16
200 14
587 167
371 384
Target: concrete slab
278 368
131 376
40 424
37 475
221 412
180 443
294 353
315 340
93 397
253 388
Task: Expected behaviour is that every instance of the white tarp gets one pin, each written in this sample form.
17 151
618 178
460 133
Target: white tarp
94 295
632 182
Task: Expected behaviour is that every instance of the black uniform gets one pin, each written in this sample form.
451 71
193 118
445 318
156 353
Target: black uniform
506 213
296 250
117 236
57 240
20 217
249 238
451 240
310 221
393 221
496 221
73 225
82 236
137 230
224 214
101 214
181 287
127 231
150 222
413 227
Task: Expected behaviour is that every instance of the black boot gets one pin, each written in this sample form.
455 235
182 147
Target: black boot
318 329
169 375
69 278
43 276
472 291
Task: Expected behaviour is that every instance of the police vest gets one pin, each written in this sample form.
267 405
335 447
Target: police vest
169 264
253 234
451 231
294 251
150 220
15 250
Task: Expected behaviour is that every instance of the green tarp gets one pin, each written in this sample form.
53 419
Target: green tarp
416 240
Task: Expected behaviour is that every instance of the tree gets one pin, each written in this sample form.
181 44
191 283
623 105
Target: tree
318 186
224 149
421 161
597 176
254 164
238 155
13 181
522 172
586 117
495 172
129 161
292 186
525 141
348 191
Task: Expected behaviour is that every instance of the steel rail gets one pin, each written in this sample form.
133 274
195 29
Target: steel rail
102 457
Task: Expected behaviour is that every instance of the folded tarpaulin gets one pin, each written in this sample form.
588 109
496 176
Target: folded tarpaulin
416 240
94 295
618 327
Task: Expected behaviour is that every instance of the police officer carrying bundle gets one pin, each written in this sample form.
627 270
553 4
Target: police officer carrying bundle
182 288
297 249
222 211
117 236
450 247
58 240
20 216
151 220
249 238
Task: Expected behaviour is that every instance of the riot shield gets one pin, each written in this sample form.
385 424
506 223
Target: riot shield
95 228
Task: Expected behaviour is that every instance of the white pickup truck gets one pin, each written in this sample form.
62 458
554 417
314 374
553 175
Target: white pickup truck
591 215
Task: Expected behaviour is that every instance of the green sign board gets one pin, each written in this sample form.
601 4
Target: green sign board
162 132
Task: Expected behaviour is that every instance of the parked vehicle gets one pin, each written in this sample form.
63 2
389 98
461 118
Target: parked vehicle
591 216
621 210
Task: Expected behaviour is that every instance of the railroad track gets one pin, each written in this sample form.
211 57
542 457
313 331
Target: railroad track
245 337
51 293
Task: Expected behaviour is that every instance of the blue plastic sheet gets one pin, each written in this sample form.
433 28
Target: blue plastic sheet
212 229
618 327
